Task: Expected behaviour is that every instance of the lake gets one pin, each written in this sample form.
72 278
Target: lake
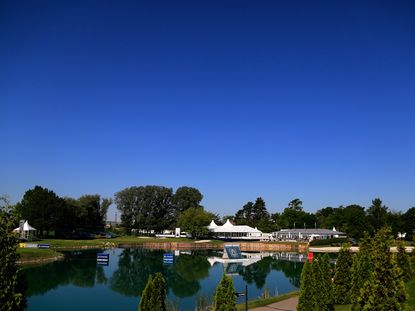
79 283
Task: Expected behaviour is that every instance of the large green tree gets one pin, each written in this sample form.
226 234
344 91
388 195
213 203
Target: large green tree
12 295
185 198
42 208
296 205
195 221
145 208
377 214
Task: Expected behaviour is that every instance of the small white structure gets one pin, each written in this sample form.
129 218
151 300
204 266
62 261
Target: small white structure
26 231
234 232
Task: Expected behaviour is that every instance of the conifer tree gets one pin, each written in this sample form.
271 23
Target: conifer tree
159 293
146 300
327 284
361 268
225 298
385 289
322 285
402 259
306 298
342 277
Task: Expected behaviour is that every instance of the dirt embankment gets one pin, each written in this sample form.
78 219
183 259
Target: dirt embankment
245 246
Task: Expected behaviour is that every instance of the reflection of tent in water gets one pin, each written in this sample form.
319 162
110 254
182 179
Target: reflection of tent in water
25 230
233 260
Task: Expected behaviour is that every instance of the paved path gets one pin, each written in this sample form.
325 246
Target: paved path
289 304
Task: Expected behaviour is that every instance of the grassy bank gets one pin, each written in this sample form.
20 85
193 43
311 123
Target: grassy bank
99 243
29 255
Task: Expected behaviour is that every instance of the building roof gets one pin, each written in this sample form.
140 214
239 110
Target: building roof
312 231
228 227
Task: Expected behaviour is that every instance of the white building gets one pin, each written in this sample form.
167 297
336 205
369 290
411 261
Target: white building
234 232
307 234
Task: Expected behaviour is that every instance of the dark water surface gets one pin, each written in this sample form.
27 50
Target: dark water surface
78 283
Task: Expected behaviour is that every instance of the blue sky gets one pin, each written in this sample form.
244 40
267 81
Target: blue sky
279 99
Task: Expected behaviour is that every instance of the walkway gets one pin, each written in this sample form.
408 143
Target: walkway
289 304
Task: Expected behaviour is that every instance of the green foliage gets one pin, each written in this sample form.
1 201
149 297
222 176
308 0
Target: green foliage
377 214
195 221
332 242
154 294
253 214
412 262
48 212
295 216
323 298
11 285
225 299
185 198
403 262
362 267
384 289
342 277
145 208
306 298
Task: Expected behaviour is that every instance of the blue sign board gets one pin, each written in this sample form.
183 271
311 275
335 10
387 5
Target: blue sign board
103 259
43 245
233 251
168 258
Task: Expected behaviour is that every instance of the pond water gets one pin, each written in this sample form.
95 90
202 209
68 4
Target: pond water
78 283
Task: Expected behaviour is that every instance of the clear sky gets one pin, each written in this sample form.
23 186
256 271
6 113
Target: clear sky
279 99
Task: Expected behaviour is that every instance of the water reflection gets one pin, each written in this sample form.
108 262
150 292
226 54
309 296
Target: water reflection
131 268
82 272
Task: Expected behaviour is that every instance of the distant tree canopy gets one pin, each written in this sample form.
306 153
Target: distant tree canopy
156 207
195 221
252 214
48 212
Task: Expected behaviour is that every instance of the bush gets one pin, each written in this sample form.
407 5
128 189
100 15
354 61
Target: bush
331 242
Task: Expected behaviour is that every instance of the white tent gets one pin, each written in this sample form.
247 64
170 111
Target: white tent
26 231
236 232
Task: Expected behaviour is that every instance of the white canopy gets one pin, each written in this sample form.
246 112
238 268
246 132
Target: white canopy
212 225
26 227
228 227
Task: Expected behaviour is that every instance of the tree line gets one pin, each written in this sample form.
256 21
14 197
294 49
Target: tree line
152 208
64 217
352 219
372 279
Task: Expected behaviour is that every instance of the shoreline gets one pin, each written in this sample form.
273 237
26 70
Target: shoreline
158 244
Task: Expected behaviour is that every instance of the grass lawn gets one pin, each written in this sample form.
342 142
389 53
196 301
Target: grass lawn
28 254
410 288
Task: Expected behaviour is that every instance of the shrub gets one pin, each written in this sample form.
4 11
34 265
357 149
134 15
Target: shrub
332 242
